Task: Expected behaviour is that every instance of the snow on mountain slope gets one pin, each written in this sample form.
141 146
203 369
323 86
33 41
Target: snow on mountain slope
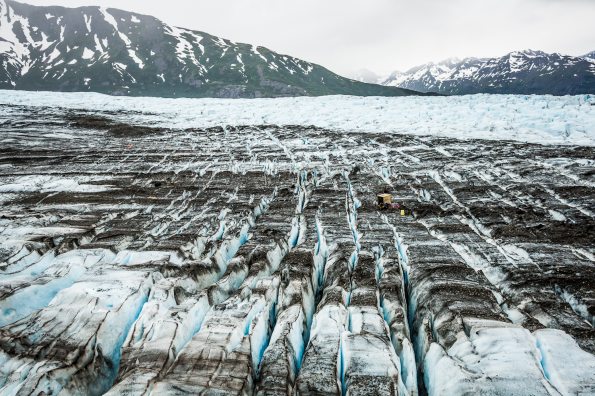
590 56
520 72
122 53
536 119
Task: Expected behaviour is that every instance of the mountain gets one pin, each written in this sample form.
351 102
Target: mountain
367 76
123 53
521 72
590 56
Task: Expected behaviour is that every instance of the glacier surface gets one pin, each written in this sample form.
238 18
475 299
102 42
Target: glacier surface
152 246
535 118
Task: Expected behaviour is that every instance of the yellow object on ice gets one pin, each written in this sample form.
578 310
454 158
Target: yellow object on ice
402 212
385 199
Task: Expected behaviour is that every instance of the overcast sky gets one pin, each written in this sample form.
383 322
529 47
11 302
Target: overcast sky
380 35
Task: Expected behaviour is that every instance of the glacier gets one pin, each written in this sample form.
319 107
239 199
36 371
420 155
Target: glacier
526 118
155 246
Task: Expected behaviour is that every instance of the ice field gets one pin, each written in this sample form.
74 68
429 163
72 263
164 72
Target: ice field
234 247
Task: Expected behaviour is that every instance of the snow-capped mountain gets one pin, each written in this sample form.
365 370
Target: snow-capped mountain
521 72
123 53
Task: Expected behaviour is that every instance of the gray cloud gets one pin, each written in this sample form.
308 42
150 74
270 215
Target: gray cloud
381 35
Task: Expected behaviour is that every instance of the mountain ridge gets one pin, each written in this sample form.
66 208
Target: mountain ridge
118 52
518 72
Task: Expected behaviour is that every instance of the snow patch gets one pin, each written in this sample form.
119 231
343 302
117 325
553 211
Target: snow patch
88 19
88 54
131 52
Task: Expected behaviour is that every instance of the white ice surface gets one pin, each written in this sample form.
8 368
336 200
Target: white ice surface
503 359
38 183
570 369
47 277
537 119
